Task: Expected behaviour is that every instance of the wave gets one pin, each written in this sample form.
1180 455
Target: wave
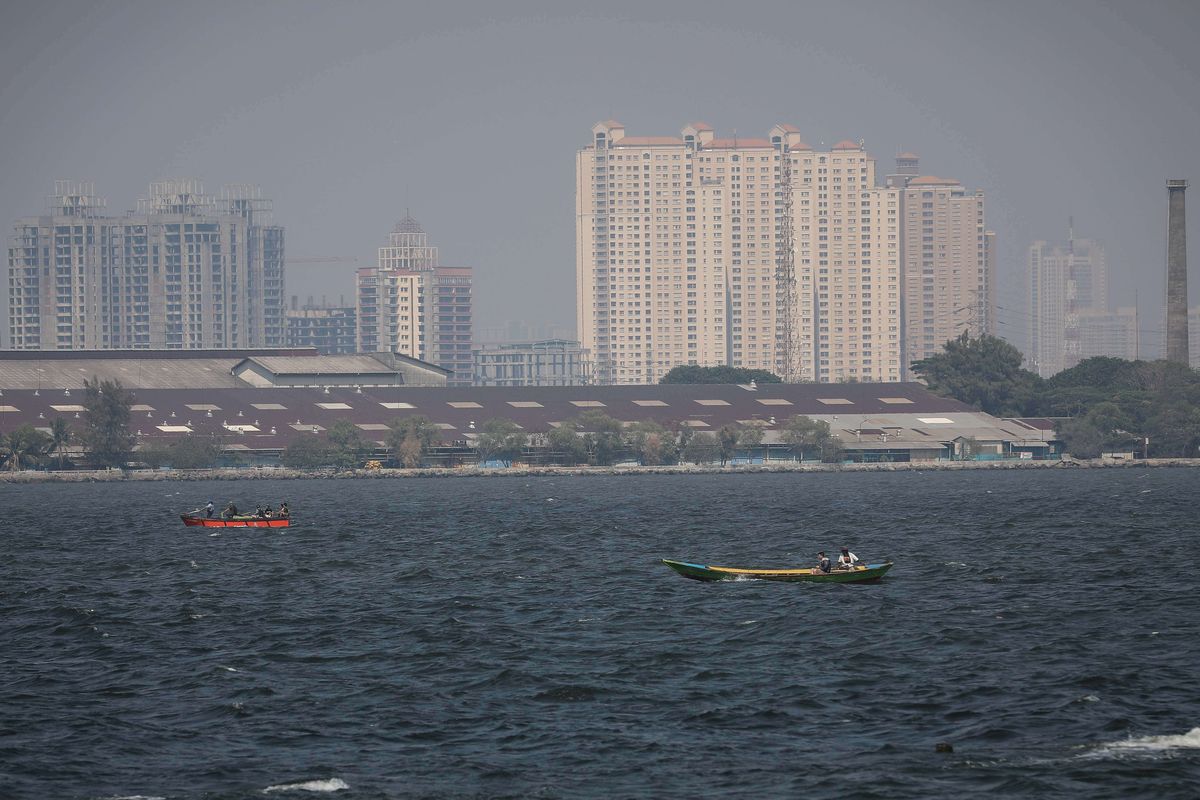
328 785
1152 744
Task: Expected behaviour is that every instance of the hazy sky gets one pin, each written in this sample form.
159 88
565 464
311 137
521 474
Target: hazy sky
469 114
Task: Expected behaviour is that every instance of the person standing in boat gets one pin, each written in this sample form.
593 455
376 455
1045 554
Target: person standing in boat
823 565
208 510
847 560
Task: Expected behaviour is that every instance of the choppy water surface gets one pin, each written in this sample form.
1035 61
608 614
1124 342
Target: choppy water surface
517 637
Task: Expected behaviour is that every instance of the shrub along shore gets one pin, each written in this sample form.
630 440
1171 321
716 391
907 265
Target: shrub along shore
283 473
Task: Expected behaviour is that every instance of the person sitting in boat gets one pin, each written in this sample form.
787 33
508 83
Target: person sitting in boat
230 511
268 512
823 565
283 510
847 560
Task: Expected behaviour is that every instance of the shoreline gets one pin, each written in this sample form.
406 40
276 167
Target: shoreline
282 473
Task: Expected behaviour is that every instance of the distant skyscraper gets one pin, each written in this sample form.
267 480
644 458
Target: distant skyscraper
947 271
682 243
412 305
330 330
1109 333
556 362
1065 280
184 271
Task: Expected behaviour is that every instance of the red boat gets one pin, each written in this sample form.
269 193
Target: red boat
194 521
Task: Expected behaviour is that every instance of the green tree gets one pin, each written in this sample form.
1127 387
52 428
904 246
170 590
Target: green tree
61 435
1174 431
565 440
603 437
500 440
308 452
24 447
411 439
702 448
194 452
347 444
651 443
804 434
106 437
750 438
984 372
690 373
727 438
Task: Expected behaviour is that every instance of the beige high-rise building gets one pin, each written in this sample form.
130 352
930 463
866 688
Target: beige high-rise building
410 304
947 269
1108 333
680 242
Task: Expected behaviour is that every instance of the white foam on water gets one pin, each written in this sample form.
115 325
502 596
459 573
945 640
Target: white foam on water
1153 744
134 797
227 669
328 785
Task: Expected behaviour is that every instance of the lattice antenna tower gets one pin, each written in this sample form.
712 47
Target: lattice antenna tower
785 269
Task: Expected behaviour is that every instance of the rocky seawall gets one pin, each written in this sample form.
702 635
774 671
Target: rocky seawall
281 473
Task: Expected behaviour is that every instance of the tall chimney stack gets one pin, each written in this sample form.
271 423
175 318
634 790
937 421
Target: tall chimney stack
1177 294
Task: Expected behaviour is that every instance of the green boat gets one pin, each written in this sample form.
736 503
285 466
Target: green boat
706 572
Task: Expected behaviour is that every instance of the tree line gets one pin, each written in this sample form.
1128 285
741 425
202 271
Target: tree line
1109 404
592 438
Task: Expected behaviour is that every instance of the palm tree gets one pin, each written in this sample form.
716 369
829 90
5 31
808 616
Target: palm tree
25 443
60 436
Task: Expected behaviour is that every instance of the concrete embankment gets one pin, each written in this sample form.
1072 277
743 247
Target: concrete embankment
280 473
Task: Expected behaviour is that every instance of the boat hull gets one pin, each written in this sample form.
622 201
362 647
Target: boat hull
248 522
706 572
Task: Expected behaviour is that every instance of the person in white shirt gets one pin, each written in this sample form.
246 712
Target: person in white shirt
847 560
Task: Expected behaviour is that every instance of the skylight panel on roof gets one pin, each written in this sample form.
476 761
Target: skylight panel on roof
650 403
174 428
8 408
712 402
372 426
936 420
835 401
335 406
68 408
525 404
202 407
141 407
395 406
306 426
466 404
773 401
235 428
587 404
270 406
896 400
446 426
695 423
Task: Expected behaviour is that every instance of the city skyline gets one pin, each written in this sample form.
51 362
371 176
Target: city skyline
344 122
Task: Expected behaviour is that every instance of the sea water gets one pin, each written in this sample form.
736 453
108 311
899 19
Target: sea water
518 637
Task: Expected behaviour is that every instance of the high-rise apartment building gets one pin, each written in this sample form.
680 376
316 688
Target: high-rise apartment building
554 362
1109 333
759 253
184 271
330 329
410 304
1065 280
947 267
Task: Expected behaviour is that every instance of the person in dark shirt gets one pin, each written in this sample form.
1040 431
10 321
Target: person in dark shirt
283 510
823 565
230 511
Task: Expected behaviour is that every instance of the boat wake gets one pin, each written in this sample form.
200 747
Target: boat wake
329 785
1149 745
